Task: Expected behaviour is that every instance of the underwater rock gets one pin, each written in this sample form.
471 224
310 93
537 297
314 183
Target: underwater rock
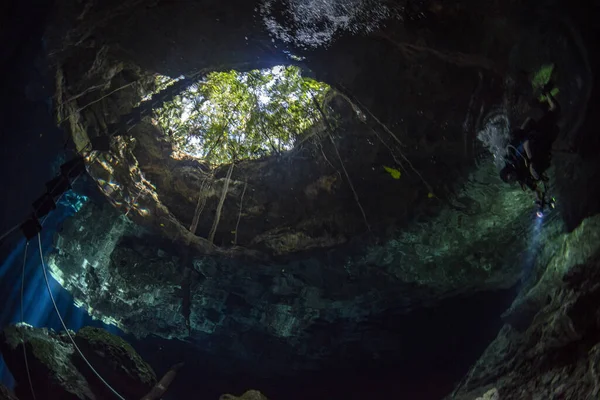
491 394
58 372
557 353
132 277
116 361
118 273
249 395
50 359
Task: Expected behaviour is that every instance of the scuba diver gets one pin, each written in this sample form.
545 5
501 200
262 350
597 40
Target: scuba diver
529 153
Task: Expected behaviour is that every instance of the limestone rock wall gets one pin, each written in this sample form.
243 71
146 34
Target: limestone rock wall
549 347
147 285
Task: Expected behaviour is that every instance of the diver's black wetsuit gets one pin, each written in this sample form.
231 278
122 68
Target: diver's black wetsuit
540 136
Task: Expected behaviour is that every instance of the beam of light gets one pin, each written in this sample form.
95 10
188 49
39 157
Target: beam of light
22 320
64 325
533 248
5 375
10 260
8 232
37 306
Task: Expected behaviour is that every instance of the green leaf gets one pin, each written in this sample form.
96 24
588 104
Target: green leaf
542 76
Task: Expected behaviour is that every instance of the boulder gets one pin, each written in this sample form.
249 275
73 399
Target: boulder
6 394
58 372
249 395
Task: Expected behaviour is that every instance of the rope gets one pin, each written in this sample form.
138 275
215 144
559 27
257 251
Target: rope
23 320
22 308
14 228
23 290
65 326
11 230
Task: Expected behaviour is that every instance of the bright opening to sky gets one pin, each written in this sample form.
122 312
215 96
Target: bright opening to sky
234 115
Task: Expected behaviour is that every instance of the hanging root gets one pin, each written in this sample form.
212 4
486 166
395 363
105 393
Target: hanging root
92 102
327 159
237 225
389 148
213 230
410 51
23 322
199 205
330 129
359 110
362 211
161 387
132 204
362 107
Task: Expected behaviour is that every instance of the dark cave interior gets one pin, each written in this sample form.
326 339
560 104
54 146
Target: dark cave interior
404 309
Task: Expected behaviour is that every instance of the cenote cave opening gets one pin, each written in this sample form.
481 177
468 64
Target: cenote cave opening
233 116
291 199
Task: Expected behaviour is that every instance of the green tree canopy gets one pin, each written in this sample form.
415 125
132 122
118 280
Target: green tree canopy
233 115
